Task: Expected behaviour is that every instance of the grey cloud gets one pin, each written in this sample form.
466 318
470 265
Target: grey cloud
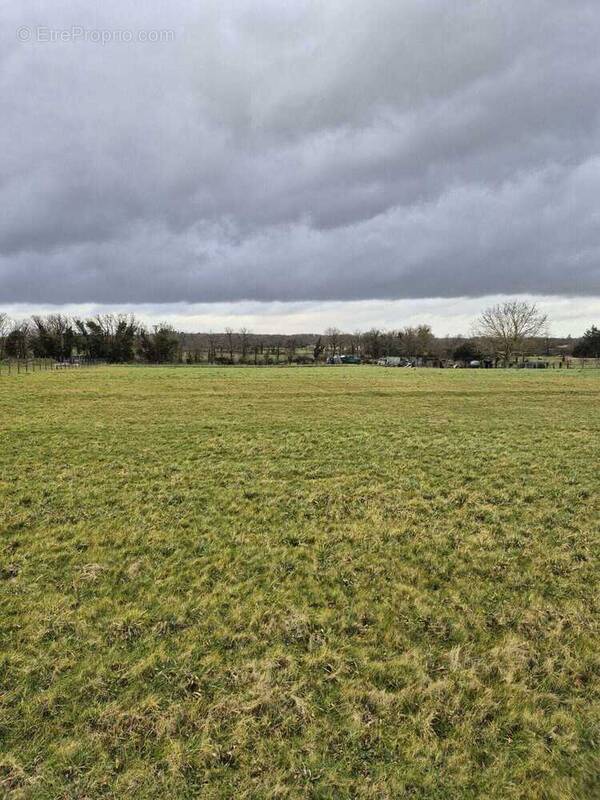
335 151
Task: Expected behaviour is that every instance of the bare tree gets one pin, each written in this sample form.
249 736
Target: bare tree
5 327
212 348
424 340
355 343
333 340
506 326
373 343
290 349
229 335
244 343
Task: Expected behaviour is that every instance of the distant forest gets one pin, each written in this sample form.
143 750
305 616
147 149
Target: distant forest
122 339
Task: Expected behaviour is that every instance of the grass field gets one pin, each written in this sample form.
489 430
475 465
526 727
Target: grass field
300 583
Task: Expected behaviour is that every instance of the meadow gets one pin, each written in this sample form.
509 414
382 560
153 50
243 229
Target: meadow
346 582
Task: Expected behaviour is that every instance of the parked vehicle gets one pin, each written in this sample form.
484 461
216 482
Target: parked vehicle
394 361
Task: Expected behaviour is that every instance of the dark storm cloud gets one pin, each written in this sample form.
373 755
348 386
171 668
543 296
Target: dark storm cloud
308 150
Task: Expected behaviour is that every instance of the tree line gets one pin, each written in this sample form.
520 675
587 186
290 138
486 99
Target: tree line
501 335
115 338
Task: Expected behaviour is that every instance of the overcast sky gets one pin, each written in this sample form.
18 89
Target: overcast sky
291 165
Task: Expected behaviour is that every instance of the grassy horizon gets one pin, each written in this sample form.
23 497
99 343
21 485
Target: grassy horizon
299 583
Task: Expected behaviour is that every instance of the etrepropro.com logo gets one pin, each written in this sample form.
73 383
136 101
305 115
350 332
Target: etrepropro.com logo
43 34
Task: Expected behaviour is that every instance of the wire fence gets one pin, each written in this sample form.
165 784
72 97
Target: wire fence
24 366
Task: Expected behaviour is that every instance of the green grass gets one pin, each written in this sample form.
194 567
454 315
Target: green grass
299 583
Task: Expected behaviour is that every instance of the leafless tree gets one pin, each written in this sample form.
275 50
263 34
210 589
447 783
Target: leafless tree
333 336
373 343
5 327
229 334
244 343
277 350
355 343
290 349
505 327
212 348
424 340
